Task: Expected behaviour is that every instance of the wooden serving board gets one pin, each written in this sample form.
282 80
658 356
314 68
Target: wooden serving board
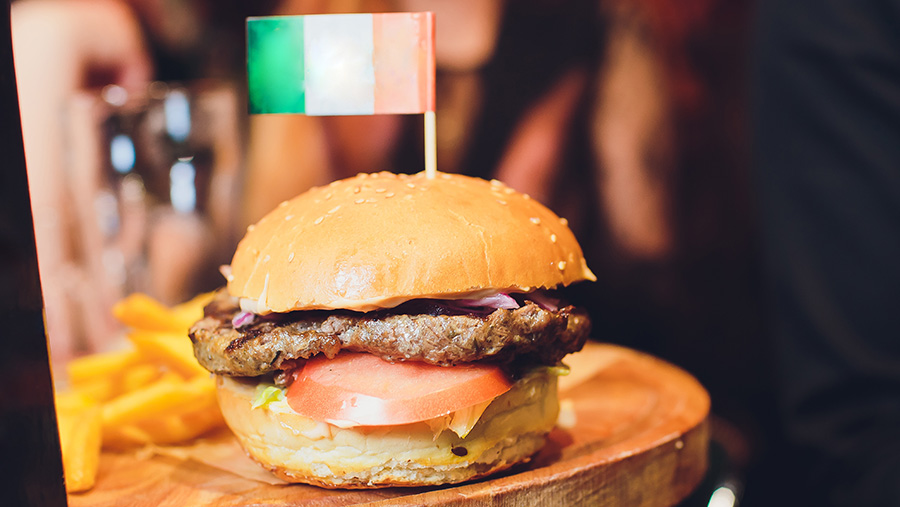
632 431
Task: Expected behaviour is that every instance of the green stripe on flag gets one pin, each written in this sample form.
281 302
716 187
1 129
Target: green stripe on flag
275 65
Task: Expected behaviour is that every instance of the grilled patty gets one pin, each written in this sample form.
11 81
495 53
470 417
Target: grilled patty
414 331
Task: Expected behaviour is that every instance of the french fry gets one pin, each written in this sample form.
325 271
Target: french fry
179 428
166 396
103 365
78 419
99 389
102 389
125 436
192 310
72 401
154 393
175 351
139 376
140 311
168 430
203 420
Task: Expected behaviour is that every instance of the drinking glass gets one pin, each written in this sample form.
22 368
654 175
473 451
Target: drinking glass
154 178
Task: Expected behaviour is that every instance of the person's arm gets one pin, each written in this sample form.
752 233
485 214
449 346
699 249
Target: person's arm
827 139
60 46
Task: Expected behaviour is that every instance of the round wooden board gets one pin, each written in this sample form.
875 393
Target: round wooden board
633 431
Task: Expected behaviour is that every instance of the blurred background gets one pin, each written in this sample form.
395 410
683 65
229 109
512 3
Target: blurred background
629 117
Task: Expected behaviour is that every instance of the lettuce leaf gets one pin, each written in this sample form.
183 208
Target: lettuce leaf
265 394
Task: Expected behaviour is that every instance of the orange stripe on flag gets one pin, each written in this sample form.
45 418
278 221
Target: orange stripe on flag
426 54
403 59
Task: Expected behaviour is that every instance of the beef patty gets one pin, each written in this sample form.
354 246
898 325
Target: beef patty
417 331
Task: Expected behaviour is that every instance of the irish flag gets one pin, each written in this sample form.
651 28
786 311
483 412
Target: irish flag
341 64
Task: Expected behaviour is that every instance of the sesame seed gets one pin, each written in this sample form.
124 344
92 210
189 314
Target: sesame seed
501 202
380 190
250 228
563 221
526 196
411 185
328 196
334 209
230 278
535 220
319 220
389 194
508 190
561 265
496 183
359 201
283 203
356 189
679 444
267 258
291 257
553 238
288 217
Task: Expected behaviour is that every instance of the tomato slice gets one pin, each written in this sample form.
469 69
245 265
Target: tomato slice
365 390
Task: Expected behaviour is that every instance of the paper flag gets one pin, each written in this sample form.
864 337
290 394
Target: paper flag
341 64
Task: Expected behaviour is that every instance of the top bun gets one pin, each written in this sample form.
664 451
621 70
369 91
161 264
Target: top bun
377 240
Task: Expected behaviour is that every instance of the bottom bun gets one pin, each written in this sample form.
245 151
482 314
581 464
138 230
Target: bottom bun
298 449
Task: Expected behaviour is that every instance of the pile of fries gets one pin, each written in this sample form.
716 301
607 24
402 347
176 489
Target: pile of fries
153 392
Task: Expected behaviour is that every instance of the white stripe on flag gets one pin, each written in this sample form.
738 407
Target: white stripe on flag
340 77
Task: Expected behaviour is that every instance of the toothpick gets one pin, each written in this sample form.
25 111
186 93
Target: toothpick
430 145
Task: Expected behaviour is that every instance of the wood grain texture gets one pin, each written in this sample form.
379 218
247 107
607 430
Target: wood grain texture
633 431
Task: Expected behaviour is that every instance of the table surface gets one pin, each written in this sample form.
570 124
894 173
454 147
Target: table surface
633 431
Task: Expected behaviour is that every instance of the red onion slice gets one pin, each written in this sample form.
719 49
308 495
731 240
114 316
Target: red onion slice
243 319
496 301
544 301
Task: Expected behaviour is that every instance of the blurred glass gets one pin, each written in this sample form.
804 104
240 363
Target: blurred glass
154 192
31 471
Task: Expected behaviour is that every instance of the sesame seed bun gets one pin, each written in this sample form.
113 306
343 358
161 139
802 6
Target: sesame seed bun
377 240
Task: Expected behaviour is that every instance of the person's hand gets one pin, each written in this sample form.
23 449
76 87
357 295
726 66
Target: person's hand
59 47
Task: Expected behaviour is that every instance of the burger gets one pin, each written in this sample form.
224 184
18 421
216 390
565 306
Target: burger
395 330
